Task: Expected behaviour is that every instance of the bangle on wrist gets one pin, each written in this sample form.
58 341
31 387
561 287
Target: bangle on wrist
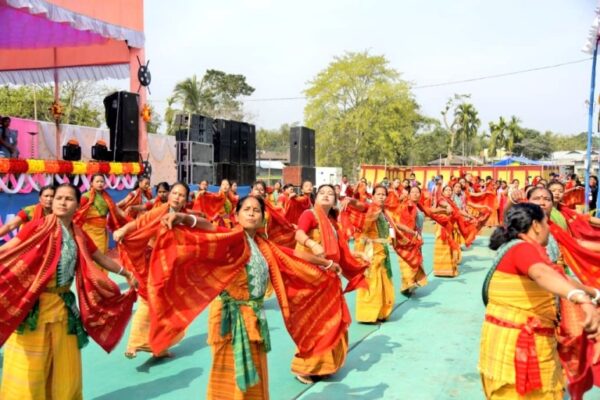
305 241
329 265
195 220
120 271
576 293
596 298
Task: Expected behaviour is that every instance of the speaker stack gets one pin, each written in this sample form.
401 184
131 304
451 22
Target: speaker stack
235 151
122 116
302 157
195 150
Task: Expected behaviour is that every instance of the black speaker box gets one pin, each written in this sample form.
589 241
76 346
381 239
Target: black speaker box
195 152
195 172
221 142
71 152
122 117
226 171
247 174
193 128
101 153
247 144
302 146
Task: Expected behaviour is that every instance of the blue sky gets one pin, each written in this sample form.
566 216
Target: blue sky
281 45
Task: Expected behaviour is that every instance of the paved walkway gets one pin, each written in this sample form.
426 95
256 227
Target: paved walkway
428 350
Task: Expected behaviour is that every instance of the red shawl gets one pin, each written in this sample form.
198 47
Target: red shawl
467 229
579 225
335 244
211 204
114 220
190 268
445 222
574 197
134 250
26 269
279 230
134 198
295 206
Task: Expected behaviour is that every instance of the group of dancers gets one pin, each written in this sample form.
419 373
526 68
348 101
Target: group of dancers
182 251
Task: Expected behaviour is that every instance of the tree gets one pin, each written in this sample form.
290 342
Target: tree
466 123
216 95
81 100
276 140
362 113
515 132
431 143
451 126
498 136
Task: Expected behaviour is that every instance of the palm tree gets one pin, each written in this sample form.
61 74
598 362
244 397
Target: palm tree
170 114
515 132
466 123
189 93
498 136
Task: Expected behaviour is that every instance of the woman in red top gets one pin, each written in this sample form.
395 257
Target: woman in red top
32 212
521 310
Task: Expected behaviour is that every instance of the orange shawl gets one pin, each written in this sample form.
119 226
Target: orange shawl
114 220
278 229
134 250
445 222
212 204
574 197
189 268
135 200
26 269
335 244
295 206
579 224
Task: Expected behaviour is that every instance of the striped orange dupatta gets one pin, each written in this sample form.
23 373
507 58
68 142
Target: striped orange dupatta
279 230
407 248
210 204
335 244
26 269
134 250
136 200
295 206
579 224
189 268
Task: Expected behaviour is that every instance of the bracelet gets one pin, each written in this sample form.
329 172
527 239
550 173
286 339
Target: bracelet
329 265
195 220
120 271
575 292
305 241
596 298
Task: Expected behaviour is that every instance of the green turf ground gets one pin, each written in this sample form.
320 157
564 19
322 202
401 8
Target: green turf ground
428 350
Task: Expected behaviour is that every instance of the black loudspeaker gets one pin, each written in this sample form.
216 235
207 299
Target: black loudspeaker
194 152
226 171
71 152
247 144
101 153
234 141
246 174
302 146
122 116
193 128
194 173
222 142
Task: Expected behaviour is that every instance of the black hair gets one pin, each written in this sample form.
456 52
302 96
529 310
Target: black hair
259 182
573 176
73 187
100 175
535 189
185 186
163 185
261 203
380 187
555 183
287 185
518 219
47 187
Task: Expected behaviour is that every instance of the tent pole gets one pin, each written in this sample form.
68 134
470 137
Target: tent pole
588 156
56 100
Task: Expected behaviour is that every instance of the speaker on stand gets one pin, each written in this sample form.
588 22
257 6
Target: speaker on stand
122 116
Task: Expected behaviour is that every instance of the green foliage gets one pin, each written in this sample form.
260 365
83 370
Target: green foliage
216 95
81 100
466 123
277 140
362 112
431 143
505 134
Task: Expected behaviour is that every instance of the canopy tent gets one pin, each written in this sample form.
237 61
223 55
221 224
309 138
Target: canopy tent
519 161
591 47
58 40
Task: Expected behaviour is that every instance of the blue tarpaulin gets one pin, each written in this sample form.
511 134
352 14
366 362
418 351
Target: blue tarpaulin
519 161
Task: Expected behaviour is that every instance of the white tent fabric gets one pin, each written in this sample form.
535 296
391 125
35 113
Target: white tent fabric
594 32
89 73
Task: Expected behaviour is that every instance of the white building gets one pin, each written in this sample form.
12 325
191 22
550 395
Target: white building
573 161
331 175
